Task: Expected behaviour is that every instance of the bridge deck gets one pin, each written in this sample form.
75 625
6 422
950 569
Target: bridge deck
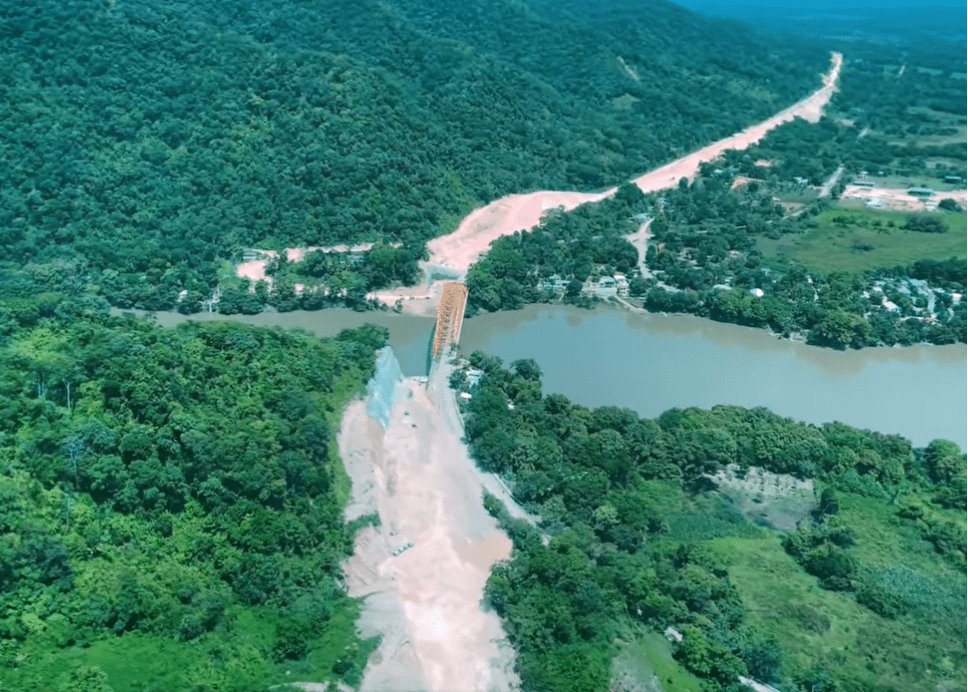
450 316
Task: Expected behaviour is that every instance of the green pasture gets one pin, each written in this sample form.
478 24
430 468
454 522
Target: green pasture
844 239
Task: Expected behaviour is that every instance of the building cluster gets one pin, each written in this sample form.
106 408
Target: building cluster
604 287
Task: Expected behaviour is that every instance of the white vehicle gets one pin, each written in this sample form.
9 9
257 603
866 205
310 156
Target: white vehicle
403 548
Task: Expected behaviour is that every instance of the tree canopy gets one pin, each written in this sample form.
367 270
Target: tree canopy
149 143
173 496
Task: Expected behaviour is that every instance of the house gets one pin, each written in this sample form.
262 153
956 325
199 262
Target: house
918 191
954 179
473 376
606 287
863 182
757 292
553 283
621 284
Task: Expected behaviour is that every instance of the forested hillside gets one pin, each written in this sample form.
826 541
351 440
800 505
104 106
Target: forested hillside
146 141
814 558
171 505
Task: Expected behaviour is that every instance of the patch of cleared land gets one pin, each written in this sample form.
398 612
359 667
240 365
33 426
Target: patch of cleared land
255 269
855 240
424 602
899 199
778 500
646 665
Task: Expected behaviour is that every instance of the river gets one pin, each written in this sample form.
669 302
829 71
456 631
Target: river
651 363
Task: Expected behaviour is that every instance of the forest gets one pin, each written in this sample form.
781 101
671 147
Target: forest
148 143
171 503
649 524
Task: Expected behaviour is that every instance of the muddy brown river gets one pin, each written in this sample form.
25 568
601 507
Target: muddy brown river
651 363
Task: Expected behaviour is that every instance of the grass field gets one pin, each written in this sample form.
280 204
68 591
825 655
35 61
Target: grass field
856 240
921 649
863 650
648 659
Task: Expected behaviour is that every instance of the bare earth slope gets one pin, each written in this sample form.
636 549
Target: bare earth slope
455 252
425 603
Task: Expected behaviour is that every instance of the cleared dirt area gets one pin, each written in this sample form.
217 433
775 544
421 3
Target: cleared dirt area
898 199
779 500
810 109
457 251
425 602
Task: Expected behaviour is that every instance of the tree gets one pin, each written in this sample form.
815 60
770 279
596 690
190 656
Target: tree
828 504
948 204
925 223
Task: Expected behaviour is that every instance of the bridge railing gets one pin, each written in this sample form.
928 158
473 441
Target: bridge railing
450 316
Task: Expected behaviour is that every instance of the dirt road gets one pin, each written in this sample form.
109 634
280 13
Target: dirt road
829 183
425 603
459 250
640 239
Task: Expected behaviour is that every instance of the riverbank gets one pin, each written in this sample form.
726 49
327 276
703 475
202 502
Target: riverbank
422 569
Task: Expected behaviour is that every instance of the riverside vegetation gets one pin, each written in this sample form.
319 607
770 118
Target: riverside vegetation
710 251
171 503
151 142
861 586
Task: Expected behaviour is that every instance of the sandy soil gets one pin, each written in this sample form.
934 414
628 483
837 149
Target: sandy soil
415 300
740 181
898 199
426 602
810 109
458 250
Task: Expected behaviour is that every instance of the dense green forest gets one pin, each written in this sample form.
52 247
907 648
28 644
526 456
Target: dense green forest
713 248
147 143
853 582
172 503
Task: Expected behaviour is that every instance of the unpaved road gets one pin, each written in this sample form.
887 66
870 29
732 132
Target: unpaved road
457 251
829 183
426 602
640 240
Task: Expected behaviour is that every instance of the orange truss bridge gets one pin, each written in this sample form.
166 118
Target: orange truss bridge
450 316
